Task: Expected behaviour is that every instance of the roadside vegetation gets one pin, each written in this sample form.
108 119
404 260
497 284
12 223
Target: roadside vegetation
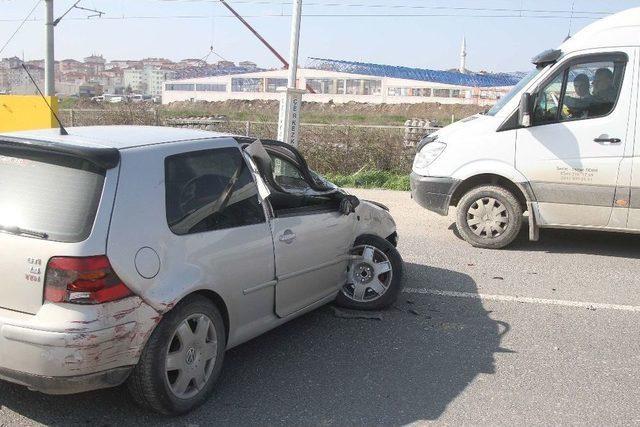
372 179
327 113
352 113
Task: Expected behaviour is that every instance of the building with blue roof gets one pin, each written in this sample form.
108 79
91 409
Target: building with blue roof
341 81
456 78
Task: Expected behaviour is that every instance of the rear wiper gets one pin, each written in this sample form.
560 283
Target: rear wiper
17 230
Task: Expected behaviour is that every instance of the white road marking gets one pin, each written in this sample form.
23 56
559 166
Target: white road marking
511 298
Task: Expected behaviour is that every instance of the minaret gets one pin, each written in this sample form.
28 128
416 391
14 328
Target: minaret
463 56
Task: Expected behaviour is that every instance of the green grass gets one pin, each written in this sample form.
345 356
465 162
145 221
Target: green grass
372 179
67 103
271 115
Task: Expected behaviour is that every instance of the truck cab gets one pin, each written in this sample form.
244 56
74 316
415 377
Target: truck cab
560 146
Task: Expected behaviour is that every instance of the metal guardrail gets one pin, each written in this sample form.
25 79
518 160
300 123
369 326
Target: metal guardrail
414 130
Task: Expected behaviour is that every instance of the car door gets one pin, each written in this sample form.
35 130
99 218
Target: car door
572 152
220 237
312 239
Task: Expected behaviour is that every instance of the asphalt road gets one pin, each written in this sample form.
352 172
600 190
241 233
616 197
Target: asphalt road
541 333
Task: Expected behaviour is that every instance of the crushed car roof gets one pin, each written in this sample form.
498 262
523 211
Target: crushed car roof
118 137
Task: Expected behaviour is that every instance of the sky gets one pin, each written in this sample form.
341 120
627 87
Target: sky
502 35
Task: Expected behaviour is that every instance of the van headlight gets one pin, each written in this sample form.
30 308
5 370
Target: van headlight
427 155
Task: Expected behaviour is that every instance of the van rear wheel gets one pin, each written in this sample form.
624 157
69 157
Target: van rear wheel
489 217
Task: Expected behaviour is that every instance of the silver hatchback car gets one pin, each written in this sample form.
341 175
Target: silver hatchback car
141 254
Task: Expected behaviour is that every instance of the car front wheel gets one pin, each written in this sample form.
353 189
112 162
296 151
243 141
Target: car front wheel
182 359
374 276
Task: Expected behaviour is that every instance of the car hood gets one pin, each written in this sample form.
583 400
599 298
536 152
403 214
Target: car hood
472 126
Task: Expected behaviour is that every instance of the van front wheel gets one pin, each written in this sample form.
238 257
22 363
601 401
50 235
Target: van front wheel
489 217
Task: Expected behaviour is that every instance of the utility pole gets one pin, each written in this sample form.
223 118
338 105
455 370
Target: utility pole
289 118
49 57
295 43
49 65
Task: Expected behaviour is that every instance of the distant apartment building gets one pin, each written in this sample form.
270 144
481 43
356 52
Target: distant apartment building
13 62
39 63
71 65
157 62
112 80
75 77
7 64
146 81
95 63
18 80
123 64
145 76
4 80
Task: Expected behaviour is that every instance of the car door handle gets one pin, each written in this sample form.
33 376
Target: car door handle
287 237
602 139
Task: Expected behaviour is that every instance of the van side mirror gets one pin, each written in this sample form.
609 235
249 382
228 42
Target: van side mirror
524 112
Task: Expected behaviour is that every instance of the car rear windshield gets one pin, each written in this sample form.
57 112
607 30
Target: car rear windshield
56 196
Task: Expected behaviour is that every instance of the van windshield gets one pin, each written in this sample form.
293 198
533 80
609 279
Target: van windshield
513 92
53 197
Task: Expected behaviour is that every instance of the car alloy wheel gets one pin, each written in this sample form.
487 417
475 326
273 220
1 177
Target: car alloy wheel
370 274
191 356
487 218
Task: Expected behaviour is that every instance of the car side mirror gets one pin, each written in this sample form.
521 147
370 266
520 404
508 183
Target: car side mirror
524 112
348 204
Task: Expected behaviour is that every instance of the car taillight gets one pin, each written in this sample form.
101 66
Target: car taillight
87 280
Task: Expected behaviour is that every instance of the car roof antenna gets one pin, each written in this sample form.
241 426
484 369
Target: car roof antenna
63 131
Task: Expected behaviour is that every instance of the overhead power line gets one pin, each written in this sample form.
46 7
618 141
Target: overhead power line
33 9
397 6
333 15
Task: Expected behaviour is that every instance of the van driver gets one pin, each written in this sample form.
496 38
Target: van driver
579 105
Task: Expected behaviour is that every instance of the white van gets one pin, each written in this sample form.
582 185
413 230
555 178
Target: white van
561 145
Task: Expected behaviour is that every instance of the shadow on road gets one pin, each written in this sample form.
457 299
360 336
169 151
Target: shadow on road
322 369
585 242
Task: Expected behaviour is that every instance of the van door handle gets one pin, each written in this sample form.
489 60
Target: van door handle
607 141
287 237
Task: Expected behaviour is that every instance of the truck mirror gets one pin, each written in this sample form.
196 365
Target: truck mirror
524 112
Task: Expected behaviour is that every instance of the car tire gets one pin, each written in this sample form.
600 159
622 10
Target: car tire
153 386
386 261
492 229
